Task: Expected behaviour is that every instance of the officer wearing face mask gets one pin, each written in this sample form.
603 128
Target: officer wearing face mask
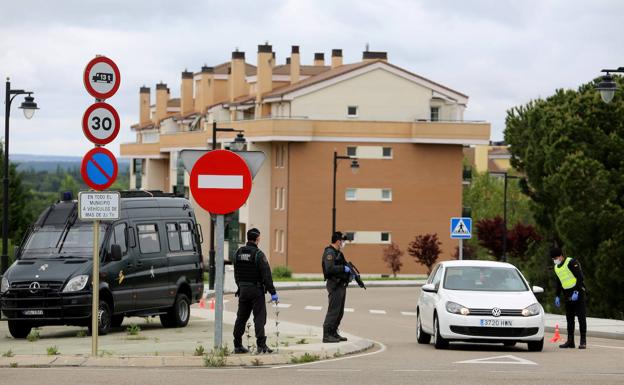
570 283
337 274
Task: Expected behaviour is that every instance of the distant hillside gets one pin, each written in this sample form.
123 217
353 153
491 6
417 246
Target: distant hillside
52 162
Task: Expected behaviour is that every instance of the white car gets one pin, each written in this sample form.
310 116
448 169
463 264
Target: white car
479 301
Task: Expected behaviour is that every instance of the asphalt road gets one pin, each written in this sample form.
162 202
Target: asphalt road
398 360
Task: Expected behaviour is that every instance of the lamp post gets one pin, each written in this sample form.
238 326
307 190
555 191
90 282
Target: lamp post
28 106
505 177
607 86
355 166
237 145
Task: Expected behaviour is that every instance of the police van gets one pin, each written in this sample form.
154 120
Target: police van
150 264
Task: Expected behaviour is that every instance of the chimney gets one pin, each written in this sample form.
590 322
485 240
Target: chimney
144 105
186 93
319 59
238 85
287 61
294 64
205 94
336 58
162 97
374 55
265 71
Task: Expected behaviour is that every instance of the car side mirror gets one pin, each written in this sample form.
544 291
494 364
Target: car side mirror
537 290
115 252
429 288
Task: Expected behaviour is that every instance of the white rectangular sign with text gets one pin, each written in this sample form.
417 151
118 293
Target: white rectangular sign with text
100 206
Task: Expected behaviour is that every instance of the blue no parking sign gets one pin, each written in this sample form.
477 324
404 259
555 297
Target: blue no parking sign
99 168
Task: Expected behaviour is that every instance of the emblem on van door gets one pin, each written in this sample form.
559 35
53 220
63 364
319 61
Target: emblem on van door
34 287
43 267
496 312
120 277
152 271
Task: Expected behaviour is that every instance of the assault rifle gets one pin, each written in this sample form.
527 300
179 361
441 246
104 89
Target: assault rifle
355 273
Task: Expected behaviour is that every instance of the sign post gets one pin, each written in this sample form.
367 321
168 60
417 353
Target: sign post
461 228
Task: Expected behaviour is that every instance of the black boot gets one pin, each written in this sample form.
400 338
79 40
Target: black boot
329 336
569 344
341 338
264 349
583 343
240 349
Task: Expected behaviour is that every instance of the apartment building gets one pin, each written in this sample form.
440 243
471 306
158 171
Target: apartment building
406 131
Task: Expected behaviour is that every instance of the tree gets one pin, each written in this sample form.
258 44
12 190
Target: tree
392 256
425 249
469 251
70 184
571 148
520 238
490 236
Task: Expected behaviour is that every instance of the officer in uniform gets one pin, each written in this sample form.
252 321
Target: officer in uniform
570 282
253 278
337 274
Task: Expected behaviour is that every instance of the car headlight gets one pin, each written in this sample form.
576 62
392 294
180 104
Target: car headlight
456 308
531 310
76 284
5 285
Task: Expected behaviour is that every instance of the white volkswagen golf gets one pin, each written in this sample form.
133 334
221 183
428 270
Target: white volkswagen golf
480 301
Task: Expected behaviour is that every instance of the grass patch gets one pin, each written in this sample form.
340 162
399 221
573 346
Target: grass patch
338 354
281 272
199 351
307 357
302 341
33 335
136 338
13 365
8 353
217 358
133 330
52 350
82 333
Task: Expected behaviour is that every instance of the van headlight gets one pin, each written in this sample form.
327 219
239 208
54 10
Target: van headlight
76 284
5 285
456 308
531 310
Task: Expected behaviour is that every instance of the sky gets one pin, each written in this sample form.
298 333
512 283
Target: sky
500 53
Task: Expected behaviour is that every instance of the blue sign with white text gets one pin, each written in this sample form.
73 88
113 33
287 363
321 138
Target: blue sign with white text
461 228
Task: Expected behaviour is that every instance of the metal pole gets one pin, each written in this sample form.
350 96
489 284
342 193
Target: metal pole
5 183
211 253
334 196
95 289
218 334
461 249
505 221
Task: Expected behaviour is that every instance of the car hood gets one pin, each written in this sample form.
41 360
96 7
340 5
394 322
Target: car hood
59 270
489 299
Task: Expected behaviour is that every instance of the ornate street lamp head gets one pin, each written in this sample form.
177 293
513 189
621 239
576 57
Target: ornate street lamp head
29 106
607 88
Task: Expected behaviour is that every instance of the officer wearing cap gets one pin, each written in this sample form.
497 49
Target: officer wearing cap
253 278
570 282
336 273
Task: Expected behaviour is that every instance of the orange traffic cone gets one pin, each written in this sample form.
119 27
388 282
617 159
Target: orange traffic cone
212 303
557 336
202 303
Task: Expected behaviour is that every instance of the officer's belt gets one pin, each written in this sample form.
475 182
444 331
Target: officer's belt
250 284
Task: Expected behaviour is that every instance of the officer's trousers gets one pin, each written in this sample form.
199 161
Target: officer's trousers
250 299
576 308
337 294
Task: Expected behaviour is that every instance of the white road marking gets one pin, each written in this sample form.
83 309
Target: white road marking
372 311
409 313
607 346
220 181
284 305
510 360
349 357
317 308
424 370
349 310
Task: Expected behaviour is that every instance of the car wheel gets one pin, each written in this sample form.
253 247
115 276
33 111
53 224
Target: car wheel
509 343
19 329
438 340
104 319
179 314
421 336
117 320
536 346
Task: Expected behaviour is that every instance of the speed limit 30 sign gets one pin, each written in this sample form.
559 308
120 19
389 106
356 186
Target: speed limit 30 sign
100 123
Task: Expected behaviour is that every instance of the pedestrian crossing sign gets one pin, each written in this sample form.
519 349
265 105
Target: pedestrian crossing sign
461 228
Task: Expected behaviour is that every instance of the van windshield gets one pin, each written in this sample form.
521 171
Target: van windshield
50 241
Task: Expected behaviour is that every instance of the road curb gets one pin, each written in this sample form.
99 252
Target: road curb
590 333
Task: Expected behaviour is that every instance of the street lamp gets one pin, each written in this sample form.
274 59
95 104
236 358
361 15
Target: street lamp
607 86
355 167
505 176
28 106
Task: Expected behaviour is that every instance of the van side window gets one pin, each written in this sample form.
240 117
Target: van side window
187 236
173 237
149 242
120 237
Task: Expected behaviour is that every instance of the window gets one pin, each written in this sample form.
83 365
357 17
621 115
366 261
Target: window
242 232
276 240
386 194
179 186
186 235
149 242
437 278
138 172
435 114
351 151
282 241
277 198
283 200
118 237
350 194
352 111
385 237
386 152
280 155
173 237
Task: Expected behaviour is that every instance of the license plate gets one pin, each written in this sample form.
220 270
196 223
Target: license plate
33 312
496 322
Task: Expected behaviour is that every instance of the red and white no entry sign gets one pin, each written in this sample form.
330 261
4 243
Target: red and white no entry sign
220 182
100 123
101 77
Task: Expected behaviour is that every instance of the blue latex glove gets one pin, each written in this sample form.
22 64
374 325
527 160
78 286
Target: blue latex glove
274 297
574 296
557 302
347 269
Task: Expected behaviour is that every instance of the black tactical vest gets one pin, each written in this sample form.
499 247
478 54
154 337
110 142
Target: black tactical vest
246 268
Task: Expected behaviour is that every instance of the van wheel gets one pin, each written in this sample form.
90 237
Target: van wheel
421 336
536 346
104 319
438 340
179 314
117 320
19 329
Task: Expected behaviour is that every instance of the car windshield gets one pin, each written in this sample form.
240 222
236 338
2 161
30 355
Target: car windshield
50 241
483 278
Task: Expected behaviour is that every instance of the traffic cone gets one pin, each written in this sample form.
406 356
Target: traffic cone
212 303
557 336
202 303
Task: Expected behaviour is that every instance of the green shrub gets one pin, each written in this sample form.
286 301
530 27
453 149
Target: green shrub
9 353
282 272
199 351
307 357
217 358
33 335
52 351
133 330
